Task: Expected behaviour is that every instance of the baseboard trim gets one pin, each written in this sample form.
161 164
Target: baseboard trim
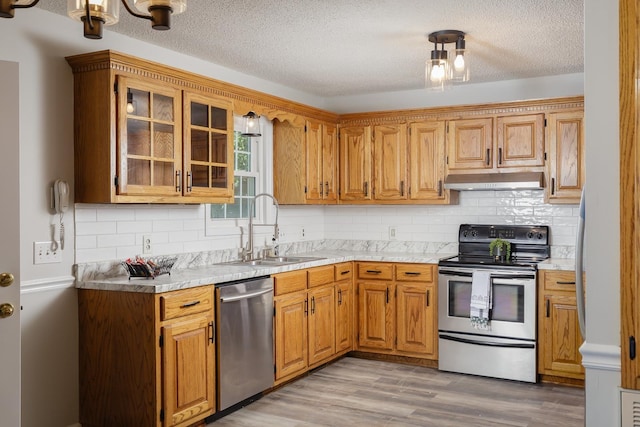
600 357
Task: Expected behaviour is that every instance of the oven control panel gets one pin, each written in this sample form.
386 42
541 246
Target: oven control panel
527 234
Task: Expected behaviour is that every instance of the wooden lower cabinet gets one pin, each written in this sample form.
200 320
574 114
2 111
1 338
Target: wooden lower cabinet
146 359
396 309
313 318
559 338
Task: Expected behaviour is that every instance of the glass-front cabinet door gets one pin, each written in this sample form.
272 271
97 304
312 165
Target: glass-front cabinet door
149 139
208 147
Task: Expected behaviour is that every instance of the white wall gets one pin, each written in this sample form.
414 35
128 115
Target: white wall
39 41
601 351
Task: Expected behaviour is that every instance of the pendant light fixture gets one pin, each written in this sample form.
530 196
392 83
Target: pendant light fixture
94 14
441 69
251 125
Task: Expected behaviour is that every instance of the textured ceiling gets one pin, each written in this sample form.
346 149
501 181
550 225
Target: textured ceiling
348 47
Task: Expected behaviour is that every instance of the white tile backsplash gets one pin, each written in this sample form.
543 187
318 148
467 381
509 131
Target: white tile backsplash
111 232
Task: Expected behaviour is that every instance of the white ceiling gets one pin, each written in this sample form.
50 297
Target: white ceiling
350 47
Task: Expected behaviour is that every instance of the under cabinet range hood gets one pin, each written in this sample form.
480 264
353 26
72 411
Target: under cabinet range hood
495 181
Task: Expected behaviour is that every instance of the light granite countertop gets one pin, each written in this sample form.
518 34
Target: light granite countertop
221 273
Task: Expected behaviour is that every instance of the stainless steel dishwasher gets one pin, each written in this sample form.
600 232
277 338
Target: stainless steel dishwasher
245 340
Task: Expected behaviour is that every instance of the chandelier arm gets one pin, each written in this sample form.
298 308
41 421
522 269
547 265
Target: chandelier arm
24 6
137 15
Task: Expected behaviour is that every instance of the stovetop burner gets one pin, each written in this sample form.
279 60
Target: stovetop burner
529 246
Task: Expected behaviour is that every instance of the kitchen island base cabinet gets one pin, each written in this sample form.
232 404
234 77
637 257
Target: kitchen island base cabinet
146 359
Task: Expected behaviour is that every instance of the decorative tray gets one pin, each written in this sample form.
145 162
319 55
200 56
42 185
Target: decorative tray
148 268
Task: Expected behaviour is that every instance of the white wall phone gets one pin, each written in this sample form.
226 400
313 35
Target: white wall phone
60 202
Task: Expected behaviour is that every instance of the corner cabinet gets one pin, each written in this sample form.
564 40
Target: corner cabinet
144 133
146 360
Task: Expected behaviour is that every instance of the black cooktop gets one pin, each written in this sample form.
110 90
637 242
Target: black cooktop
529 245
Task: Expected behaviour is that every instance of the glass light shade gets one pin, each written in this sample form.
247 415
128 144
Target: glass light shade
460 66
177 6
105 10
251 124
437 75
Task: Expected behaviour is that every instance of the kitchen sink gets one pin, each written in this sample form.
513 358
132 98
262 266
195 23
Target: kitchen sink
275 261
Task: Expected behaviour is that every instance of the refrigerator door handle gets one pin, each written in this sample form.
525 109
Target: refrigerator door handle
579 266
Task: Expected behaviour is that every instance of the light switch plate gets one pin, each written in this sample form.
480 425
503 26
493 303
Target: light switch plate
46 253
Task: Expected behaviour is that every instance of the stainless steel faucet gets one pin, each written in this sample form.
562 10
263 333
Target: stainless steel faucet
247 253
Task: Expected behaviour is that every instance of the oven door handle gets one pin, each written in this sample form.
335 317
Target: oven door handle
486 343
493 276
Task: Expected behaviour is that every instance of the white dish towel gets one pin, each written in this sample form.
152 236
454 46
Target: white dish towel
480 300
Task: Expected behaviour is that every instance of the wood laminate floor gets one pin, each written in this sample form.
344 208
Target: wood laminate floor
360 392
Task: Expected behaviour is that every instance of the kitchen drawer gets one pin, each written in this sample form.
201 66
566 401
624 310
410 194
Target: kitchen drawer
414 272
375 270
559 281
290 281
185 302
320 275
344 271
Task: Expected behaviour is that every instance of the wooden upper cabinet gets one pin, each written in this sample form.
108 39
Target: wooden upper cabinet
208 147
390 157
565 166
321 157
355 163
149 142
470 144
289 171
426 170
520 141
133 137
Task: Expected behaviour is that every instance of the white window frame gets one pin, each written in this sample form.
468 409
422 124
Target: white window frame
263 161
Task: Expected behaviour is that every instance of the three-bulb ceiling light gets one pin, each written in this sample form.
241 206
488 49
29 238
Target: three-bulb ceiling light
440 72
96 13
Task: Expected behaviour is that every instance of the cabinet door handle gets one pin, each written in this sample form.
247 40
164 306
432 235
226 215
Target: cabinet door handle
440 188
306 306
178 181
428 297
190 304
500 155
553 186
321 189
189 182
339 296
326 189
366 189
488 156
374 271
402 188
212 332
387 295
313 305
548 308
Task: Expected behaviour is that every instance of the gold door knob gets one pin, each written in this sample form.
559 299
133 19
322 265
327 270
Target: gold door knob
6 310
6 279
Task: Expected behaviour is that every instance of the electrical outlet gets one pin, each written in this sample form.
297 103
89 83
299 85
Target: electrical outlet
147 247
392 233
43 253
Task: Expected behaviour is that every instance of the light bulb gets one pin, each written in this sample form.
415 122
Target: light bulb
130 108
458 63
437 73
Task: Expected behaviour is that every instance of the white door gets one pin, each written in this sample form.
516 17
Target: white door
9 248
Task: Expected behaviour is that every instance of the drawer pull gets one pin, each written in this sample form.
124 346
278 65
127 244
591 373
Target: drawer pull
412 273
345 272
190 304
374 271
565 283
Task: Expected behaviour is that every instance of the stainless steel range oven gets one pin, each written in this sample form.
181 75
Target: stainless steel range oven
506 347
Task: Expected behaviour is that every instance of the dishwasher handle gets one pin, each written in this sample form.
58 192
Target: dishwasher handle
246 296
